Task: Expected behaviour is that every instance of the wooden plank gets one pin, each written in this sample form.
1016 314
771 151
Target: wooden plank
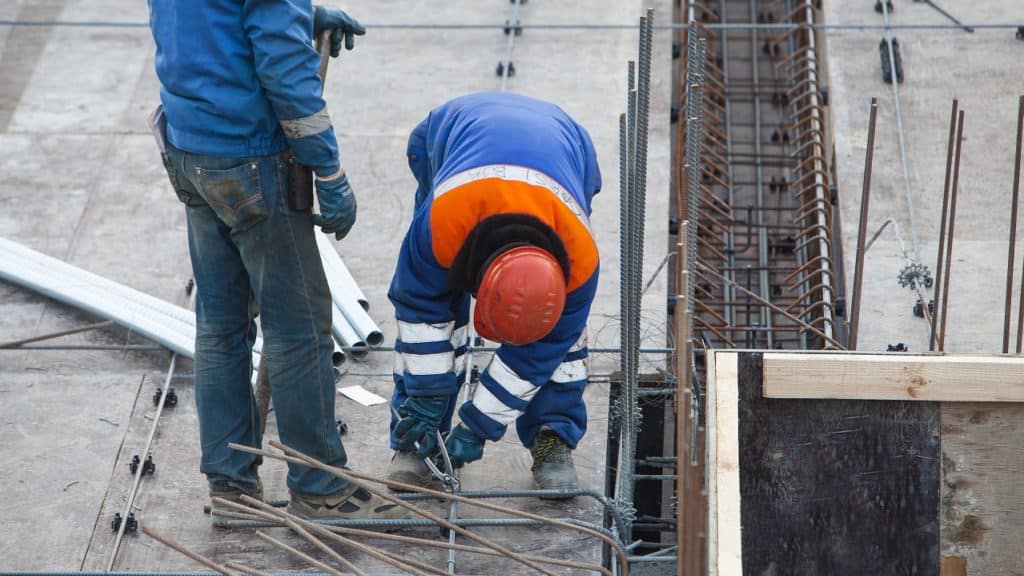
724 529
953 566
836 486
982 512
894 377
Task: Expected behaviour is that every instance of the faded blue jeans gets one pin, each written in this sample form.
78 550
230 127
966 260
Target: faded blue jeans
252 254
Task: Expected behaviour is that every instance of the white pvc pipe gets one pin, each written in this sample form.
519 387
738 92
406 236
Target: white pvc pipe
345 333
163 322
344 296
351 286
94 294
338 273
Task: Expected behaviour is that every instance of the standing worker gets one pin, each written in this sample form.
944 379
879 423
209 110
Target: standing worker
502 213
243 114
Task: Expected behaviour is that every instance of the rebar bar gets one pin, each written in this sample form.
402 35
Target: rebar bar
242 569
1013 228
952 227
441 545
298 553
561 26
52 335
294 456
306 528
862 229
511 27
166 541
944 218
904 159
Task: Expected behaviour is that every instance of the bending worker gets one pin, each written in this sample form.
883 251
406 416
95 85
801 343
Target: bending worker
502 214
243 108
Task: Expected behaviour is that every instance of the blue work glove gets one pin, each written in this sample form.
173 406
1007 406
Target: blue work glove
421 416
463 446
344 28
337 206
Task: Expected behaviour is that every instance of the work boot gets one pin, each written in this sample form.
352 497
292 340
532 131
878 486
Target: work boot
408 468
235 494
349 505
552 464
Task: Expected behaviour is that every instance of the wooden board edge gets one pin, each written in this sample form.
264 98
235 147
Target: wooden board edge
841 376
724 523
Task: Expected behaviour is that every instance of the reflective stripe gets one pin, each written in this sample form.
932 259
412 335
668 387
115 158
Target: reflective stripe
460 363
573 371
418 333
581 343
509 380
427 364
399 364
493 408
459 337
307 126
515 173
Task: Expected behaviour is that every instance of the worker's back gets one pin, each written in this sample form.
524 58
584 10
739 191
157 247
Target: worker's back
493 128
216 59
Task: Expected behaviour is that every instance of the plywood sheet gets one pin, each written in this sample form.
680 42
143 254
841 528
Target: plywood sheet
836 487
982 515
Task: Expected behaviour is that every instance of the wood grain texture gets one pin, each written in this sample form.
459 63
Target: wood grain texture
724 528
894 377
953 566
836 487
982 512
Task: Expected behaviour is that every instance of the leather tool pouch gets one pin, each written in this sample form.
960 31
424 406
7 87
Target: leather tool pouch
300 197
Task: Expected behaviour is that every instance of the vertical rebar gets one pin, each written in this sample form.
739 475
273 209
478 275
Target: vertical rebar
694 138
1013 229
950 147
862 230
762 232
952 227
624 399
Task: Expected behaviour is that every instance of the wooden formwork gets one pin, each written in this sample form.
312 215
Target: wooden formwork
836 463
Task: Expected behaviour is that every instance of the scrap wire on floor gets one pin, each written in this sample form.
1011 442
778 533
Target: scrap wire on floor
293 456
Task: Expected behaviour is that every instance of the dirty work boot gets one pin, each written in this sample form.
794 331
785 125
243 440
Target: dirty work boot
348 505
235 494
552 464
408 468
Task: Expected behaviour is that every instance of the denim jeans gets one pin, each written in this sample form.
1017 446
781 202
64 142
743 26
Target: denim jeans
252 254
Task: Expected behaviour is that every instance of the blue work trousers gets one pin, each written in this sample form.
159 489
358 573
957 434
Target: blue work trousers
252 254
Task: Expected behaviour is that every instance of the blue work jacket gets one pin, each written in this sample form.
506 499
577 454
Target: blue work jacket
238 78
474 157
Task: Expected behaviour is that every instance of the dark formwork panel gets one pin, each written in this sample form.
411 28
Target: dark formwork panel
836 487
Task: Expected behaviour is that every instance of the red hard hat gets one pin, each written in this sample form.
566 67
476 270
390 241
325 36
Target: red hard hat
521 296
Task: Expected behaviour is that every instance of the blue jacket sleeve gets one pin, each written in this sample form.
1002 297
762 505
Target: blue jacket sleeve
425 350
280 32
431 335
516 372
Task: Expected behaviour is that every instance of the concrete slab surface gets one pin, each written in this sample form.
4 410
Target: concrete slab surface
80 179
981 509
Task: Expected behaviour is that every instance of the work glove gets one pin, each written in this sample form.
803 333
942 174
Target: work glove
337 206
421 416
344 28
463 446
